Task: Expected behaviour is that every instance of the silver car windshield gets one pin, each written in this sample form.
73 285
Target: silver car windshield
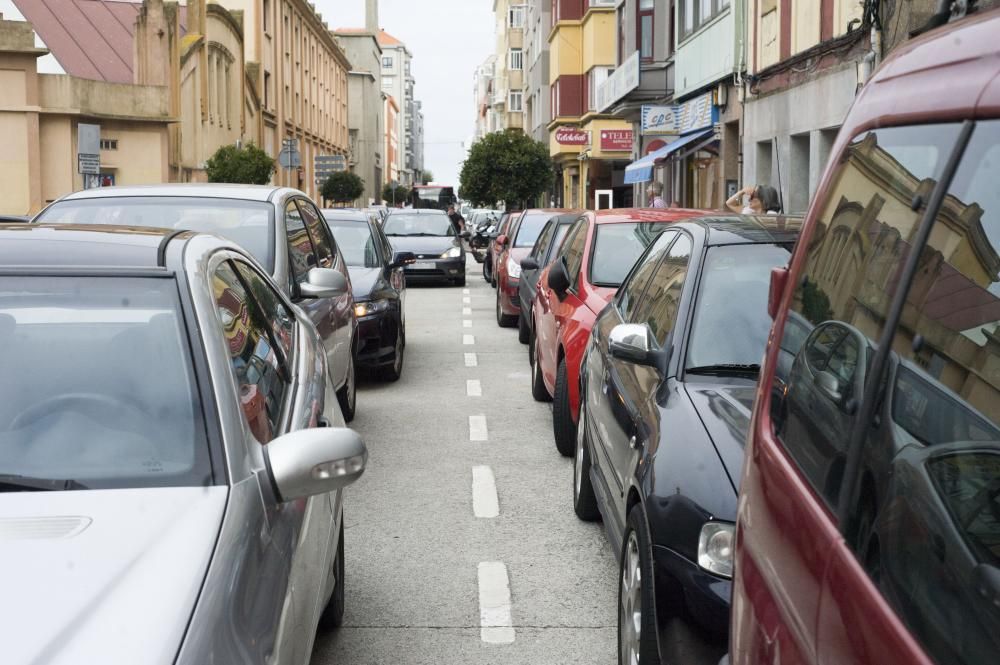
249 224
402 224
97 385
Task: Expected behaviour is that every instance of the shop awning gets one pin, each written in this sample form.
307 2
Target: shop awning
641 170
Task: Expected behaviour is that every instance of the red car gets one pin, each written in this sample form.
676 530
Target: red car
596 255
515 245
868 528
494 249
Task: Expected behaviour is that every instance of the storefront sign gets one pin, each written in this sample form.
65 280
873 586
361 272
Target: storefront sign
622 81
572 136
658 120
616 139
692 115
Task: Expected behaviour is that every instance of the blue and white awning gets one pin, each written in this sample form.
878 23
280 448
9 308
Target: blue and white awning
641 170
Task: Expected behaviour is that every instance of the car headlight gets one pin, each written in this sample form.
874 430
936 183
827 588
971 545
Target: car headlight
715 548
368 308
452 253
513 269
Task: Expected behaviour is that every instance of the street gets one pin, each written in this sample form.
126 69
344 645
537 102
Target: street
419 559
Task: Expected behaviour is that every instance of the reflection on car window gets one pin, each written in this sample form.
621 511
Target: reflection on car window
927 515
301 253
631 292
572 250
403 224
272 308
318 234
260 386
97 383
542 244
662 298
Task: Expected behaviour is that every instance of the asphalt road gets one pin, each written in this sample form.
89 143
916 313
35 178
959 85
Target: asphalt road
440 568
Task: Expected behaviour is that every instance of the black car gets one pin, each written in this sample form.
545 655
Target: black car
667 384
379 287
431 236
545 250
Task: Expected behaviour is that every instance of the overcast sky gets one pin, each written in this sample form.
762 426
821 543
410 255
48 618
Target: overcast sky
448 39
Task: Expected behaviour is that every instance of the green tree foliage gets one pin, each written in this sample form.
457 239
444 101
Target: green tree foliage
508 167
398 194
426 176
248 165
815 303
343 187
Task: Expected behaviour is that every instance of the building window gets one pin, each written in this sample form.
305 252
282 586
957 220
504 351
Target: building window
266 16
267 90
387 62
109 144
645 31
595 77
387 81
516 60
696 13
515 17
514 101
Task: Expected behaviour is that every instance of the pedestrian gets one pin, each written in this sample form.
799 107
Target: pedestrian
456 220
763 200
654 195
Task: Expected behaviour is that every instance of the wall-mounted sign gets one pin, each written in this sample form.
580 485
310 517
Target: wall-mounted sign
572 136
88 149
616 139
622 81
658 120
689 116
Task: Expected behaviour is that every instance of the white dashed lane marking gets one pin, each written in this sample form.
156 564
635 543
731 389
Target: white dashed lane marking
467 300
466 311
468 340
494 603
473 388
467 323
484 493
477 429
465 291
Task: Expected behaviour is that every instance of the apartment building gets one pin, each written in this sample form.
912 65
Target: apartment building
484 79
508 92
366 111
590 148
398 82
536 102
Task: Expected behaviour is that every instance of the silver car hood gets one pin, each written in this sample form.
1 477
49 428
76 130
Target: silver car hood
103 576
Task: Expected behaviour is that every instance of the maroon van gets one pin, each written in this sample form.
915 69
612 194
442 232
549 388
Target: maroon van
868 529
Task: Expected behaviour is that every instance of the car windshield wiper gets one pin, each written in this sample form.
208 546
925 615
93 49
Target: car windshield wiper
10 482
726 369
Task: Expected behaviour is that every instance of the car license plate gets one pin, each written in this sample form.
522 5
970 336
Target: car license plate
424 265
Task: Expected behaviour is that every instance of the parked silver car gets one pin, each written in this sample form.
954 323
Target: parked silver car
280 227
172 455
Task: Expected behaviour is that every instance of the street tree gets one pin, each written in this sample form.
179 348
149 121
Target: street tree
343 187
246 165
395 195
427 176
508 167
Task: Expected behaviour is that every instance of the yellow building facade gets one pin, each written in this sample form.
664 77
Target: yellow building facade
590 149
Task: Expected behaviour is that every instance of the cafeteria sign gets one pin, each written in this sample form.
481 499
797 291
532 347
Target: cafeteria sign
572 136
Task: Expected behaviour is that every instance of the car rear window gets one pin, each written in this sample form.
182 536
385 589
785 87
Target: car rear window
529 229
97 383
249 224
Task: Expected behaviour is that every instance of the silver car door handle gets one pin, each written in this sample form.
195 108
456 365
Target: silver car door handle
633 443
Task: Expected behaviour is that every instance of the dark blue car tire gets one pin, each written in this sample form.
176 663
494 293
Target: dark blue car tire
333 613
636 596
522 328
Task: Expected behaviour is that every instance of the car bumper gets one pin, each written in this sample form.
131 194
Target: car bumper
377 339
706 597
437 268
510 301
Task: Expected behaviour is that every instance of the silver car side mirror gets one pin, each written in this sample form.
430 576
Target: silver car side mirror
324 283
315 461
632 342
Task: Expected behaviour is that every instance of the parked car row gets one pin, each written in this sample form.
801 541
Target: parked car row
785 434
202 345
